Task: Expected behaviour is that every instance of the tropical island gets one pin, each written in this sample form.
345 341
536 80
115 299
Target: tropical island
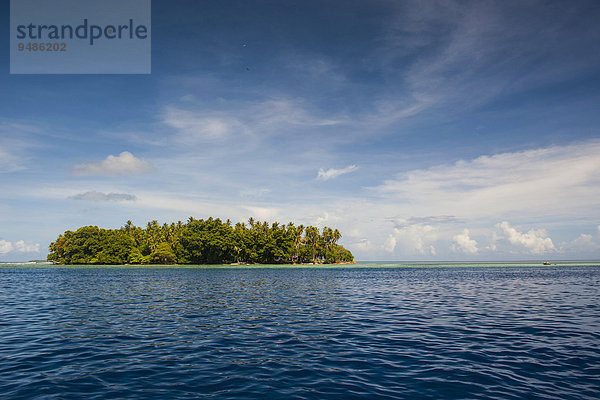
200 241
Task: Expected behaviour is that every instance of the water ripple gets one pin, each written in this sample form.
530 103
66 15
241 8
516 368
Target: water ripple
388 333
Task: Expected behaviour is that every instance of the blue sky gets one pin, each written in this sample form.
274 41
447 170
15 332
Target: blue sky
423 130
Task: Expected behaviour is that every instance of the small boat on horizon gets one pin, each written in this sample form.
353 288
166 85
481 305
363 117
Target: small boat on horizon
546 263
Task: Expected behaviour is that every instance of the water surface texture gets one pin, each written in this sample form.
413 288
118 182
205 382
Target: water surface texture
419 332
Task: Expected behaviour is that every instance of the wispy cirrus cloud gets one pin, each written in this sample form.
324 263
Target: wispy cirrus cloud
400 222
255 192
123 164
331 173
195 123
472 53
8 161
15 141
99 196
314 69
192 126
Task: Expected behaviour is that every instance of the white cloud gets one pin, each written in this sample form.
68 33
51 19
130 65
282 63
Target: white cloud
534 241
257 192
413 239
8 162
233 119
23 247
492 246
334 173
390 244
262 213
123 164
450 78
463 243
322 219
327 218
584 240
279 113
362 244
314 69
560 181
5 247
19 246
99 196
581 247
193 126
15 142
428 220
188 98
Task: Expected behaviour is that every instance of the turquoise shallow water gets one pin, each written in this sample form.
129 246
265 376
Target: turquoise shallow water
377 331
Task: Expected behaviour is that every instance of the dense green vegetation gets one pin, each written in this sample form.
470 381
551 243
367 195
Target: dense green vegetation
200 241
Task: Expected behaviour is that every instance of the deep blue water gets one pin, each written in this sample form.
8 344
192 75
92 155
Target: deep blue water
454 333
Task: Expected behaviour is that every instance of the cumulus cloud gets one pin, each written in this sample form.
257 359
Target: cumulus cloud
325 218
363 244
23 247
464 244
123 164
534 241
390 244
334 173
583 246
584 240
414 239
5 247
19 247
99 196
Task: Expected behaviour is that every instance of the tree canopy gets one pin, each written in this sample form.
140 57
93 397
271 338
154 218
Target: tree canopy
200 241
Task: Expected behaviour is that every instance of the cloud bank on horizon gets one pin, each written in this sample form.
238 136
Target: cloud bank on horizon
422 130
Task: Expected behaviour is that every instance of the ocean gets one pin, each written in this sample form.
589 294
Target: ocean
376 331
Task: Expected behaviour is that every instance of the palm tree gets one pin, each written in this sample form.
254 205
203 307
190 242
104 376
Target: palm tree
336 236
296 234
327 240
311 239
152 234
128 226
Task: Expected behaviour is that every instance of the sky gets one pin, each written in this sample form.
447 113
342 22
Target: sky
423 130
